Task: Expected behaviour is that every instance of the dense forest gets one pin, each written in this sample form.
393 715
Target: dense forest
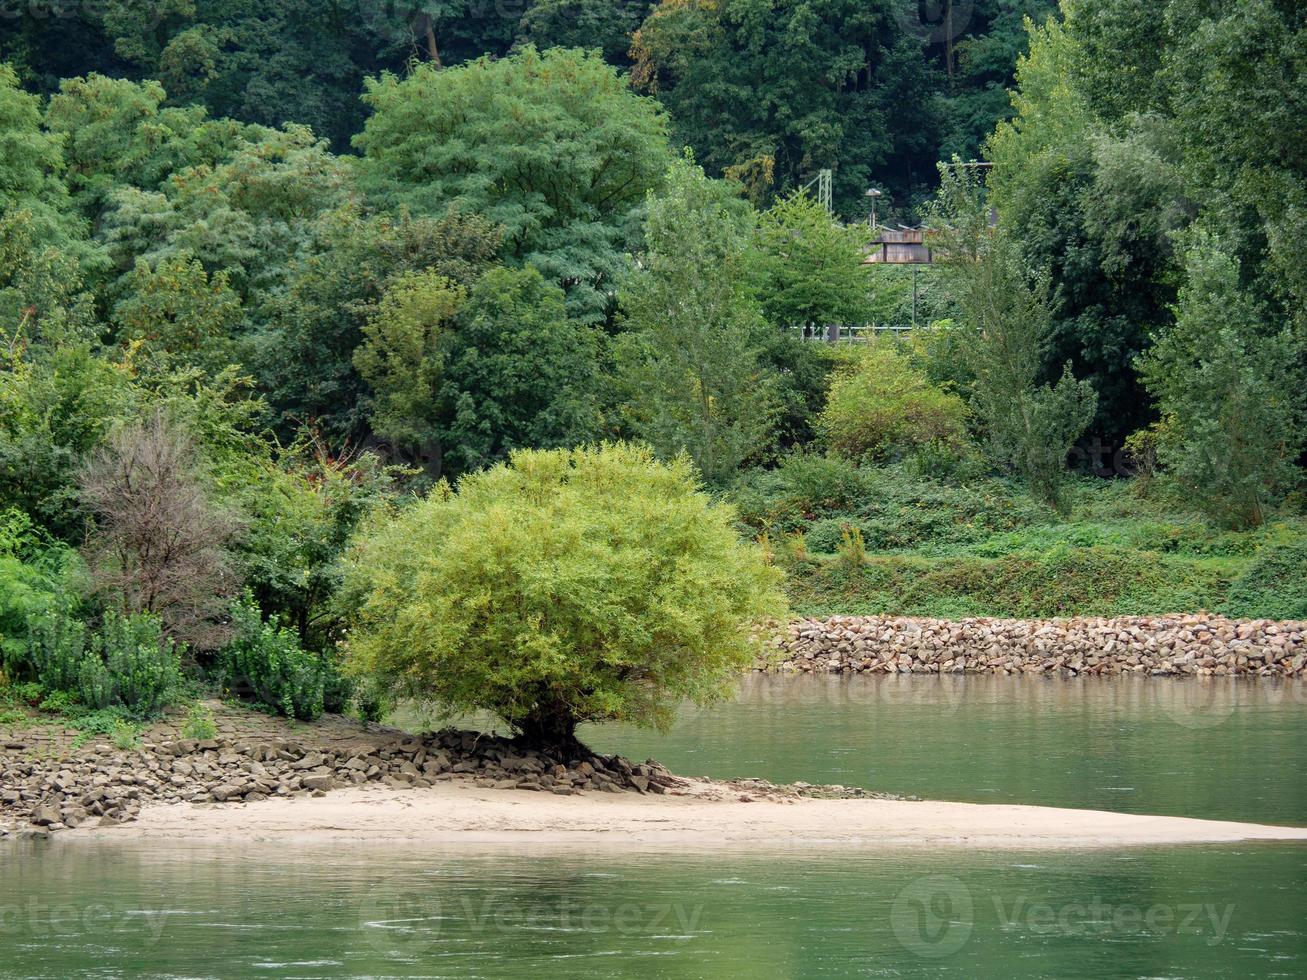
268 270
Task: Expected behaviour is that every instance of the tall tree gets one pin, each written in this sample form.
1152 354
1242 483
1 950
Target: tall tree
811 270
521 375
1229 391
1004 336
690 362
554 147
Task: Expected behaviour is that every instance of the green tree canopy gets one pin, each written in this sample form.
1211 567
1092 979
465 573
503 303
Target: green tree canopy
811 269
521 375
1230 393
552 146
690 360
562 587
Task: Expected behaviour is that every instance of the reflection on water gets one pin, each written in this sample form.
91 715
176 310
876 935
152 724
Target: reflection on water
265 910
1223 749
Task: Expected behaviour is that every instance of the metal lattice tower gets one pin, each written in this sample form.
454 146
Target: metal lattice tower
825 196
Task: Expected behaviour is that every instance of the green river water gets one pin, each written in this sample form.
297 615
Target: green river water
1231 751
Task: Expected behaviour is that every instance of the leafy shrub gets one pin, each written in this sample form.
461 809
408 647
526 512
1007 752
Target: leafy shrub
883 407
852 549
29 693
56 646
199 723
1274 586
125 736
824 536
127 664
32 574
566 586
265 662
802 486
947 462
1067 582
132 666
59 702
115 723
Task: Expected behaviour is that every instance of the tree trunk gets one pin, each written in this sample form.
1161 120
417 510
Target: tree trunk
429 28
551 725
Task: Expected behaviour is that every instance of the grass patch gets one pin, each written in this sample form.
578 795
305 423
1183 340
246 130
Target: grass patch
987 549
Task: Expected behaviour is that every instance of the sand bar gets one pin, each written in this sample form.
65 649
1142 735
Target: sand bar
459 814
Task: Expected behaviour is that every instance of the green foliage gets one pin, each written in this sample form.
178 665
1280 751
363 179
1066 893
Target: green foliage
199 723
774 91
852 549
31 164
1273 586
178 314
881 406
553 146
304 352
598 24
56 646
1070 582
689 363
521 374
564 586
1005 332
115 723
1229 390
126 664
265 663
42 296
62 702
300 514
802 483
811 272
131 665
55 408
34 573
402 356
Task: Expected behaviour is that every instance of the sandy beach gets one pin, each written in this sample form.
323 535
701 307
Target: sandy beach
459 814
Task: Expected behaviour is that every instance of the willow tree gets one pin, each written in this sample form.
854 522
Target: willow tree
564 586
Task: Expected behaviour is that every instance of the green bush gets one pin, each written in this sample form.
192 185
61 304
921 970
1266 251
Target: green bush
1274 586
802 486
824 536
56 646
1066 582
265 663
882 407
32 574
566 586
199 723
128 664
132 666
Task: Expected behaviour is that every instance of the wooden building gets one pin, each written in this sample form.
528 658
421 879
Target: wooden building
905 246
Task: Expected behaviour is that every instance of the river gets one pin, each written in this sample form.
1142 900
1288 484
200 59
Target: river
1229 750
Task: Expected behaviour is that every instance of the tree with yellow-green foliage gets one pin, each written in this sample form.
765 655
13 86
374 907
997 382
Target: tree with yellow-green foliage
880 405
565 586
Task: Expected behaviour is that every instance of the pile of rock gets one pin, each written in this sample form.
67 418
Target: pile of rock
99 784
1198 645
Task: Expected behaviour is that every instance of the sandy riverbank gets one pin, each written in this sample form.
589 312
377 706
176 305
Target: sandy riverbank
459 814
